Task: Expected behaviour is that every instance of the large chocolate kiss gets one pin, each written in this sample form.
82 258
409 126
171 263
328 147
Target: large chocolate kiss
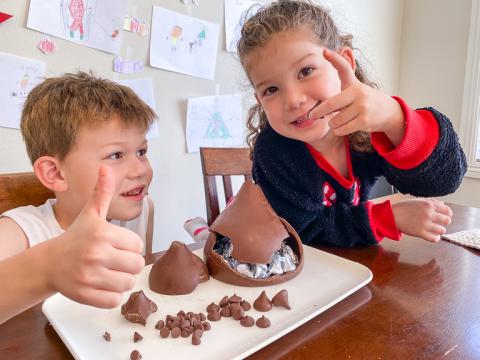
256 232
178 271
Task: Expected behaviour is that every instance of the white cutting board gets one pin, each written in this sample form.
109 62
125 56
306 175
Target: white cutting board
325 280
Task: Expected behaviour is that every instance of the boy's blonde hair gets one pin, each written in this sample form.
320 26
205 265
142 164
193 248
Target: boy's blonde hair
285 15
57 108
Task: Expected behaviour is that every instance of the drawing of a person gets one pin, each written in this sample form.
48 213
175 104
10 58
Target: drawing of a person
77 12
175 34
201 37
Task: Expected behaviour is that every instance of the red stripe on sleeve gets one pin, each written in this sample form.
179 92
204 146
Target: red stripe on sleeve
420 139
382 221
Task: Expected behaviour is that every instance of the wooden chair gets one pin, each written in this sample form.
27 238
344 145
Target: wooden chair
22 189
223 162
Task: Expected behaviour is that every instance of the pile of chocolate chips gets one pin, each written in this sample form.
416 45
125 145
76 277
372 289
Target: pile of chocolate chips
184 325
236 308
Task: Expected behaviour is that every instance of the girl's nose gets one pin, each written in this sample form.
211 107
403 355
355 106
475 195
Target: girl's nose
294 99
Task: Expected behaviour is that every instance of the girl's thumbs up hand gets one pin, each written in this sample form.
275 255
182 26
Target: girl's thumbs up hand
94 261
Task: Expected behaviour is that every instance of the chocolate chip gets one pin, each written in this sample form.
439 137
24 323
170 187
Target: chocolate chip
214 316
196 340
224 301
206 326
237 311
235 299
164 332
225 312
137 337
247 321
107 336
202 317
135 355
212 307
176 332
263 322
245 305
160 324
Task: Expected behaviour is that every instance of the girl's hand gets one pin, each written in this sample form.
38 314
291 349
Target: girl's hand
360 107
423 218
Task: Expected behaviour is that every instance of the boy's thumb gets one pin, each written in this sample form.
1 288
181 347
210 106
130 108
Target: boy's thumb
99 202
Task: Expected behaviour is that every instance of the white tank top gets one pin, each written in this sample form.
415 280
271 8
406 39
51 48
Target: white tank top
39 222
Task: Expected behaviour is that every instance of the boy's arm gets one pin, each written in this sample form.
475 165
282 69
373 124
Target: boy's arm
12 238
24 280
149 235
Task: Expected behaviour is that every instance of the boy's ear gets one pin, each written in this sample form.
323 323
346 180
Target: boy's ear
48 172
347 53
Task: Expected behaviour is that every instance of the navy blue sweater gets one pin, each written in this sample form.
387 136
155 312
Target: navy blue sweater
294 184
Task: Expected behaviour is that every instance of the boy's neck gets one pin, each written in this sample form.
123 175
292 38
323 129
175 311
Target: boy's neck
332 149
64 214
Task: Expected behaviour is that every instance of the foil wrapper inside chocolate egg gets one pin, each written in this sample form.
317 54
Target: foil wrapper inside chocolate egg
250 245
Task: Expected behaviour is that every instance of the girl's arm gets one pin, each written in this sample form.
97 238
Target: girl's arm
429 161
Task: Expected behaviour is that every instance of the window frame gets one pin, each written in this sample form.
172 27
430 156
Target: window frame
470 123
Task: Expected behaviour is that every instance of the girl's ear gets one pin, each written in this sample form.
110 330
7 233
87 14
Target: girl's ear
47 170
347 53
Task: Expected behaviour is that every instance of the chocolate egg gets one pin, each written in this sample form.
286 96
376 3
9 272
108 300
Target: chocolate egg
178 271
255 232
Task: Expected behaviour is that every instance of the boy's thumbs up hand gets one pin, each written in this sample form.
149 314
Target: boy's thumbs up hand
94 261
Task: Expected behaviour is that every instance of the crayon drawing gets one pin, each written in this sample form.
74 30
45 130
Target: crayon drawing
93 23
183 44
19 75
214 121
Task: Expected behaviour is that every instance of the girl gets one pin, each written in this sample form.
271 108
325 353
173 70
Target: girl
322 134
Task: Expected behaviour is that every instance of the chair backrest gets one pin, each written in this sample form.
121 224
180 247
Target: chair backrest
223 162
22 189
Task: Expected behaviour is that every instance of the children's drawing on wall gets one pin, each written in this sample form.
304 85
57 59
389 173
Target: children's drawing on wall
93 23
214 121
175 36
235 11
19 75
183 43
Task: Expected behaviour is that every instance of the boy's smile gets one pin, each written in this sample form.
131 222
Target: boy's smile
121 148
291 76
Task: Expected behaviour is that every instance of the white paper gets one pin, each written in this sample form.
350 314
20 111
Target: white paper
18 76
183 44
235 11
93 23
144 89
214 121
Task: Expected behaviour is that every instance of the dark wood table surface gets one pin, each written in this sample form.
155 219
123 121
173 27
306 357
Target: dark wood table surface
423 303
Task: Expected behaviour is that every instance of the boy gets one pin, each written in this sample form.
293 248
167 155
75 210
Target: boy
85 137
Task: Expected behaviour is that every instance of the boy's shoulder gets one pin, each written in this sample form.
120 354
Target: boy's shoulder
38 223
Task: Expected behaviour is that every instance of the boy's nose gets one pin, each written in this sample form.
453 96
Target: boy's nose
137 168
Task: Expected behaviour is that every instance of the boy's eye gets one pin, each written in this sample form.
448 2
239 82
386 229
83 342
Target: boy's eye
306 71
269 91
142 152
115 156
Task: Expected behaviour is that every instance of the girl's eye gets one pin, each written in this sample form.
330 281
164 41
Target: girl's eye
115 156
306 71
142 152
269 91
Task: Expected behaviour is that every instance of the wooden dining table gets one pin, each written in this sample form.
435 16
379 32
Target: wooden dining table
422 303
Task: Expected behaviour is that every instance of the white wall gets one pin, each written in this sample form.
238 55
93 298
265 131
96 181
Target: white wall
432 70
177 187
